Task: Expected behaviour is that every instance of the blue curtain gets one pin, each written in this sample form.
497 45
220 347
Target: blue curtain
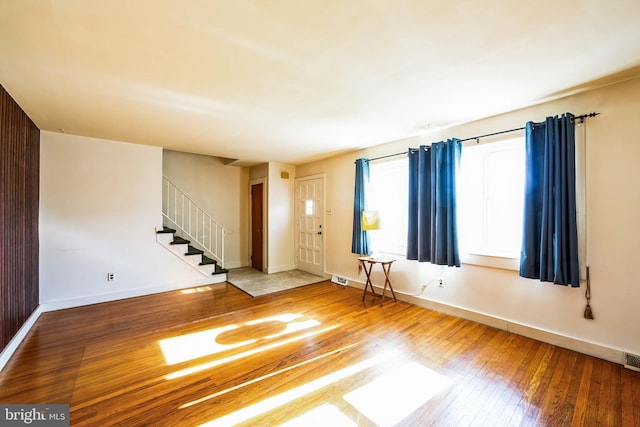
432 229
360 238
550 233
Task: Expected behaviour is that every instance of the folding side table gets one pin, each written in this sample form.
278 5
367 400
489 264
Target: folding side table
386 268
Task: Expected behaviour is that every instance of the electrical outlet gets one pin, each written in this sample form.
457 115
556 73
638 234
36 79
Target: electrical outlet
111 277
440 283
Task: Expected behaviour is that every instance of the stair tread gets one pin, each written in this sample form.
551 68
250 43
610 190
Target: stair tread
208 261
193 251
166 230
177 240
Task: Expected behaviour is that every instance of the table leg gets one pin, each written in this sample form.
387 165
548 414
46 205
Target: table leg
387 281
368 273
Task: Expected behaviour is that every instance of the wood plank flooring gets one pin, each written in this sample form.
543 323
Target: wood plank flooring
316 354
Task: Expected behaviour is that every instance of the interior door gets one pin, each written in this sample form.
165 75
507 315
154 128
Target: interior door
257 226
309 231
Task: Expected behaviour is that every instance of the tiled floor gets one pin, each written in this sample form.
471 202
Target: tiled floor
257 283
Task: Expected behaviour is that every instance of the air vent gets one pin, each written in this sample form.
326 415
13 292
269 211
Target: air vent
632 361
340 280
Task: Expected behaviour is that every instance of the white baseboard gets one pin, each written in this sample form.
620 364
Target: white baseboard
10 348
96 299
585 347
281 268
8 351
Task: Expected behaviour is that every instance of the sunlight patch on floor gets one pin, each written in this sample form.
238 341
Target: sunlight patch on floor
188 347
198 344
325 415
286 318
276 401
218 362
294 323
264 377
194 290
393 396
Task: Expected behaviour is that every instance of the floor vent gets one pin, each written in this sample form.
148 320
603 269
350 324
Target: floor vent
632 361
340 280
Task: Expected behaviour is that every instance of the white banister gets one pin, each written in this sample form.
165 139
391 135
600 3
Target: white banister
192 220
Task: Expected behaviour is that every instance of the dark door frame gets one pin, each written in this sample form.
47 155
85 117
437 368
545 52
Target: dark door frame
257 225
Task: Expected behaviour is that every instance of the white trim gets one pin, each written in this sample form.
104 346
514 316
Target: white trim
179 250
9 350
505 263
585 347
96 299
310 177
17 339
592 349
280 268
323 178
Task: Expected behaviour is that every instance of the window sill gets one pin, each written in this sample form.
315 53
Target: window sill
402 251
491 261
505 263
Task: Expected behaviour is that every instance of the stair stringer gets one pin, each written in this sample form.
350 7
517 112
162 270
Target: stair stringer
169 223
179 250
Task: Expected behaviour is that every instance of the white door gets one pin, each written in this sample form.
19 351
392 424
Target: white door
309 231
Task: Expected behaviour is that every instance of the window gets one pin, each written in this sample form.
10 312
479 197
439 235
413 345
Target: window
490 203
387 193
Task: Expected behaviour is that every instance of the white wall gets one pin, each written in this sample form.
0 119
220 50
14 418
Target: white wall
279 215
281 206
613 233
221 191
100 202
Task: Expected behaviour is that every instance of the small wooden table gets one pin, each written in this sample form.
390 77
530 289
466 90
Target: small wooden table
386 268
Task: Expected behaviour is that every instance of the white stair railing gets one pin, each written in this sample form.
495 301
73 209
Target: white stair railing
197 225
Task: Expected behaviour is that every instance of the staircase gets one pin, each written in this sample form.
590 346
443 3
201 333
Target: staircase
193 256
181 212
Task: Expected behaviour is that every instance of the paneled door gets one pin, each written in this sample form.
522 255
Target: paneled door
257 226
309 230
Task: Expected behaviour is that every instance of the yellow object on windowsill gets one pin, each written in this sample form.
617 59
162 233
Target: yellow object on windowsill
370 220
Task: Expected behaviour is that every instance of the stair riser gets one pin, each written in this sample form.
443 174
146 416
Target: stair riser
177 249
164 238
194 260
207 269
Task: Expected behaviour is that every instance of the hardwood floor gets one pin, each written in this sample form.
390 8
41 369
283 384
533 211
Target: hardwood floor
216 356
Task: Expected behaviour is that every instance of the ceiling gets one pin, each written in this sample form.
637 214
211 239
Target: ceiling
298 80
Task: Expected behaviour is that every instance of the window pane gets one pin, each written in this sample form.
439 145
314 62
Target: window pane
490 198
387 193
503 231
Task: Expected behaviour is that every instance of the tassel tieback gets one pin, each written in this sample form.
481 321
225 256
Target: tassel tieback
588 314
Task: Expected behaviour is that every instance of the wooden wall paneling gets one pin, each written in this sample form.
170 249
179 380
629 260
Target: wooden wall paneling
19 198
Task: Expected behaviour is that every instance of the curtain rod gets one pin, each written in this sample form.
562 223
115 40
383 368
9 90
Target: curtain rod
477 138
